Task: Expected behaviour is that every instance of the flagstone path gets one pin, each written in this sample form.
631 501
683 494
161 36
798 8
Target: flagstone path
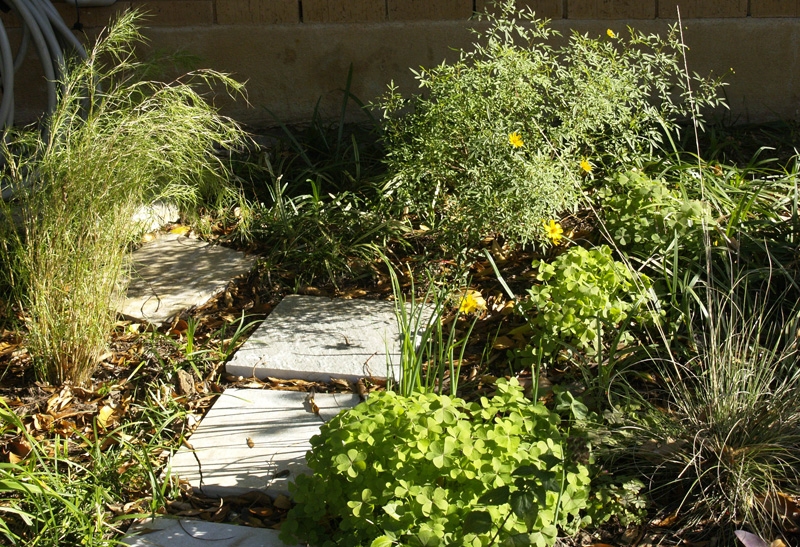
316 338
257 439
175 272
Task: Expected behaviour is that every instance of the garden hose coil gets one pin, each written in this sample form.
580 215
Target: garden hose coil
42 25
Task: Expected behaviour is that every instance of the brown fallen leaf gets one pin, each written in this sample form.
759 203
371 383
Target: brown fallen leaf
104 416
312 291
255 497
110 414
503 342
220 514
60 400
6 348
18 451
352 293
361 389
282 502
262 511
667 521
42 422
341 383
185 382
508 308
179 328
312 405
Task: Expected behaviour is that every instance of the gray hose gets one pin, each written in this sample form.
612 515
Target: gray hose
7 76
42 25
23 47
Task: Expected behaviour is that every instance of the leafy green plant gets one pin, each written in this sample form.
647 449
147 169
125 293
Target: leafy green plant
335 157
315 235
408 470
644 217
502 137
584 297
113 143
320 213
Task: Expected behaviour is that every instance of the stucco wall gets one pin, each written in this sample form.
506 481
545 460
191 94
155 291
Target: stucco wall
292 52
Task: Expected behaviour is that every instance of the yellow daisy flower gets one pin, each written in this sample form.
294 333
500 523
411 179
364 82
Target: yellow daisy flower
471 301
586 166
515 140
611 33
554 231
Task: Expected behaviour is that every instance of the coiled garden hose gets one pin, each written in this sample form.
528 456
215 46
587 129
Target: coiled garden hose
42 25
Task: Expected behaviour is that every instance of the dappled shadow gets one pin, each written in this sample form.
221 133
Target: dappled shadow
175 272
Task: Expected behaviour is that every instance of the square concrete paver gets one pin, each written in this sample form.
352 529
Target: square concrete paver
175 272
163 532
279 426
316 338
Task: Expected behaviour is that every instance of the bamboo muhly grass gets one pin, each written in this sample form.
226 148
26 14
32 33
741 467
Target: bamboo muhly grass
109 148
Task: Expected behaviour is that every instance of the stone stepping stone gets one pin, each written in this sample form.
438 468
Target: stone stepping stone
156 215
255 439
317 338
174 273
165 532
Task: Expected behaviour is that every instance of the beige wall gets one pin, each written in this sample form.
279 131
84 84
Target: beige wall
291 53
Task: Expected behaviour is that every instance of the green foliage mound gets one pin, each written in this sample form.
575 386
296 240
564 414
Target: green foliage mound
645 217
585 296
499 140
409 470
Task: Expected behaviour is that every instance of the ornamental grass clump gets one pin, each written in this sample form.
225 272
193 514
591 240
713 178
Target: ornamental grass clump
722 444
114 143
500 140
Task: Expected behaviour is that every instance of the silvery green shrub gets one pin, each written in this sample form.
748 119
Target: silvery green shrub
507 137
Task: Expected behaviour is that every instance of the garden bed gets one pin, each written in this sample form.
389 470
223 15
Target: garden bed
614 291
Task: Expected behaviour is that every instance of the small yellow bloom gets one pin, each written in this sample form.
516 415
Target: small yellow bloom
472 301
515 140
611 33
586 166
554 231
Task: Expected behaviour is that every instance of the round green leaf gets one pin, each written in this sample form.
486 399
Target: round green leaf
382 541
477 522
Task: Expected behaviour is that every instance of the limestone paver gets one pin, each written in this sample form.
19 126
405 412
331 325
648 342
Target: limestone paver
163 532
175 272
316 338
156 215
255 439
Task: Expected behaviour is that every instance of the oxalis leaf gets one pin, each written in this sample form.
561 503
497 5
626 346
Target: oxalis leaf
496 496
518 540
402 482
523 503
477 522
382 541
